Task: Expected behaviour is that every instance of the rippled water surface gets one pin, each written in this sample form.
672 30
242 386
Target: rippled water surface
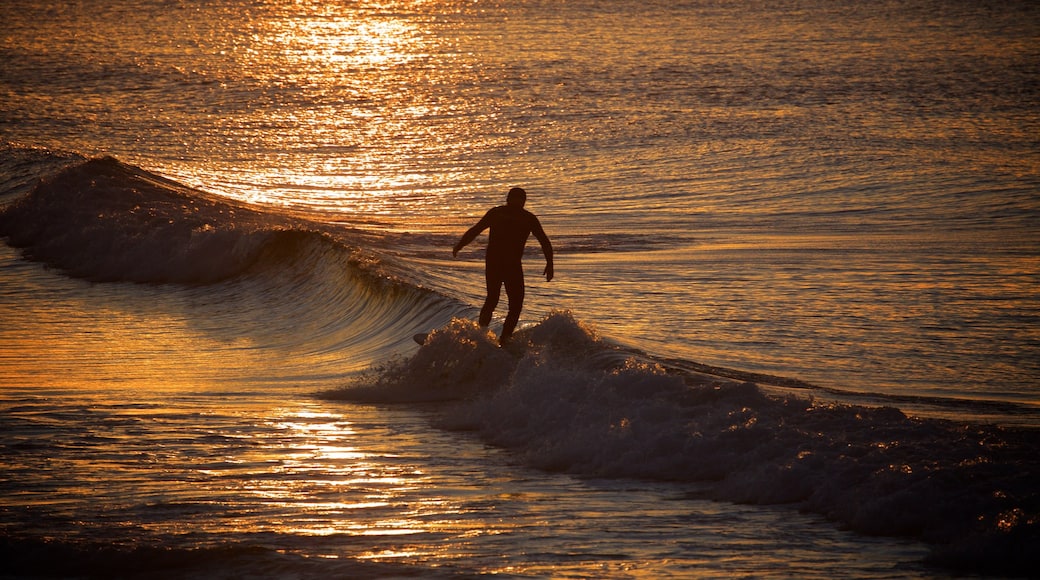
838 193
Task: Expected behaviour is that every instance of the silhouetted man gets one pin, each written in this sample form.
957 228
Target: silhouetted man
510 225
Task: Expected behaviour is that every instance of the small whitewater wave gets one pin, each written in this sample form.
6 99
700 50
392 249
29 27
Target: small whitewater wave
106 221
564 400
103 220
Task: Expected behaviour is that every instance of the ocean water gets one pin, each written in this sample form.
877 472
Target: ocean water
793 332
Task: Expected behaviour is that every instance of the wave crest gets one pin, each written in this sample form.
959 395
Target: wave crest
456 361
106 221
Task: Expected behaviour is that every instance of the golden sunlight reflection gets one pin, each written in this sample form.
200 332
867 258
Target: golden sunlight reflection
342 43
358 71
317 472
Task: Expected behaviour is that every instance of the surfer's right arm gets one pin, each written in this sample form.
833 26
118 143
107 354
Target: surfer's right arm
472 233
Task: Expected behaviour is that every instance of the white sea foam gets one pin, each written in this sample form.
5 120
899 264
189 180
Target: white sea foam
563 400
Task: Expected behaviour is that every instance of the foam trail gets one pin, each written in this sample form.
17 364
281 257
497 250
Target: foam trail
563 400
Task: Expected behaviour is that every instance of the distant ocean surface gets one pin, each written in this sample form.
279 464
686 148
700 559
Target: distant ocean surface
794 329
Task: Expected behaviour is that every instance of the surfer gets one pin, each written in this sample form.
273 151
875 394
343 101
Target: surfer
510 225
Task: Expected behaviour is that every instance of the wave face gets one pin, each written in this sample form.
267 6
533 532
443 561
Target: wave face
563 400
309 301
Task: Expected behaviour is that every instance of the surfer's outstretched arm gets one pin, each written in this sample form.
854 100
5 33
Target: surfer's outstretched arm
472 233
547 249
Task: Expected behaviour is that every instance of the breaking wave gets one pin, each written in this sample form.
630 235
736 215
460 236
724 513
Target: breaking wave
106 221
562 399
309 295
558 397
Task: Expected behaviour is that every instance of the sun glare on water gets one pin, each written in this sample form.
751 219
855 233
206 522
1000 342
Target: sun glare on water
356 74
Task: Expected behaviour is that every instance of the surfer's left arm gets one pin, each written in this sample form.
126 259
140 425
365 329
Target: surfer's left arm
472 233
547 248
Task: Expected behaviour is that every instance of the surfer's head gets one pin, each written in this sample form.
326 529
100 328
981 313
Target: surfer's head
517 197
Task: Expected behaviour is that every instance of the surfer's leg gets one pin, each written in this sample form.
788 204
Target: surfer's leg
494 291
515 292
489 308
